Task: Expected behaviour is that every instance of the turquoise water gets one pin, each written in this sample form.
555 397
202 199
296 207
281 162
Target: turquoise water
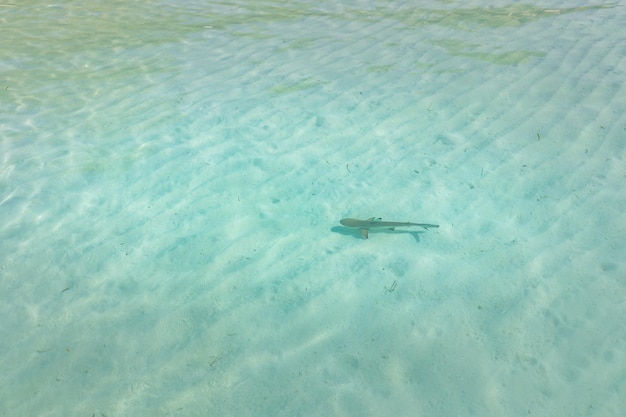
173 175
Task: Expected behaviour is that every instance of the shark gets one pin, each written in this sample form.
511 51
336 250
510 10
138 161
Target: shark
374 223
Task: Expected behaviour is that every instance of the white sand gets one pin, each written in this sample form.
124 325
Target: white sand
172 180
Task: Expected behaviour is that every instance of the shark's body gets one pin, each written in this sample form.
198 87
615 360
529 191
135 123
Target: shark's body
376 223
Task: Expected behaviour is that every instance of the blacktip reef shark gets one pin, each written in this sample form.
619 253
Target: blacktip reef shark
374 223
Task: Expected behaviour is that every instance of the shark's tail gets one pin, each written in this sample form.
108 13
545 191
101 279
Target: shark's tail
426 225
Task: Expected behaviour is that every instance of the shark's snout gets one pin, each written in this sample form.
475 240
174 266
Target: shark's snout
348 222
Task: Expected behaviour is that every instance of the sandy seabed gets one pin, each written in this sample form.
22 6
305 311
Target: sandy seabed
172 181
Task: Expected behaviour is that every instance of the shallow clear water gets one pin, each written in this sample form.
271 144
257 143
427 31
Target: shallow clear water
173 176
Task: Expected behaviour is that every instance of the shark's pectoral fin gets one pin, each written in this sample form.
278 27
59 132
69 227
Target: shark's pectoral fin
364 233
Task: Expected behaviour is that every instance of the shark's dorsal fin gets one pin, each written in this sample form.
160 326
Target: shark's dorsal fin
374 219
